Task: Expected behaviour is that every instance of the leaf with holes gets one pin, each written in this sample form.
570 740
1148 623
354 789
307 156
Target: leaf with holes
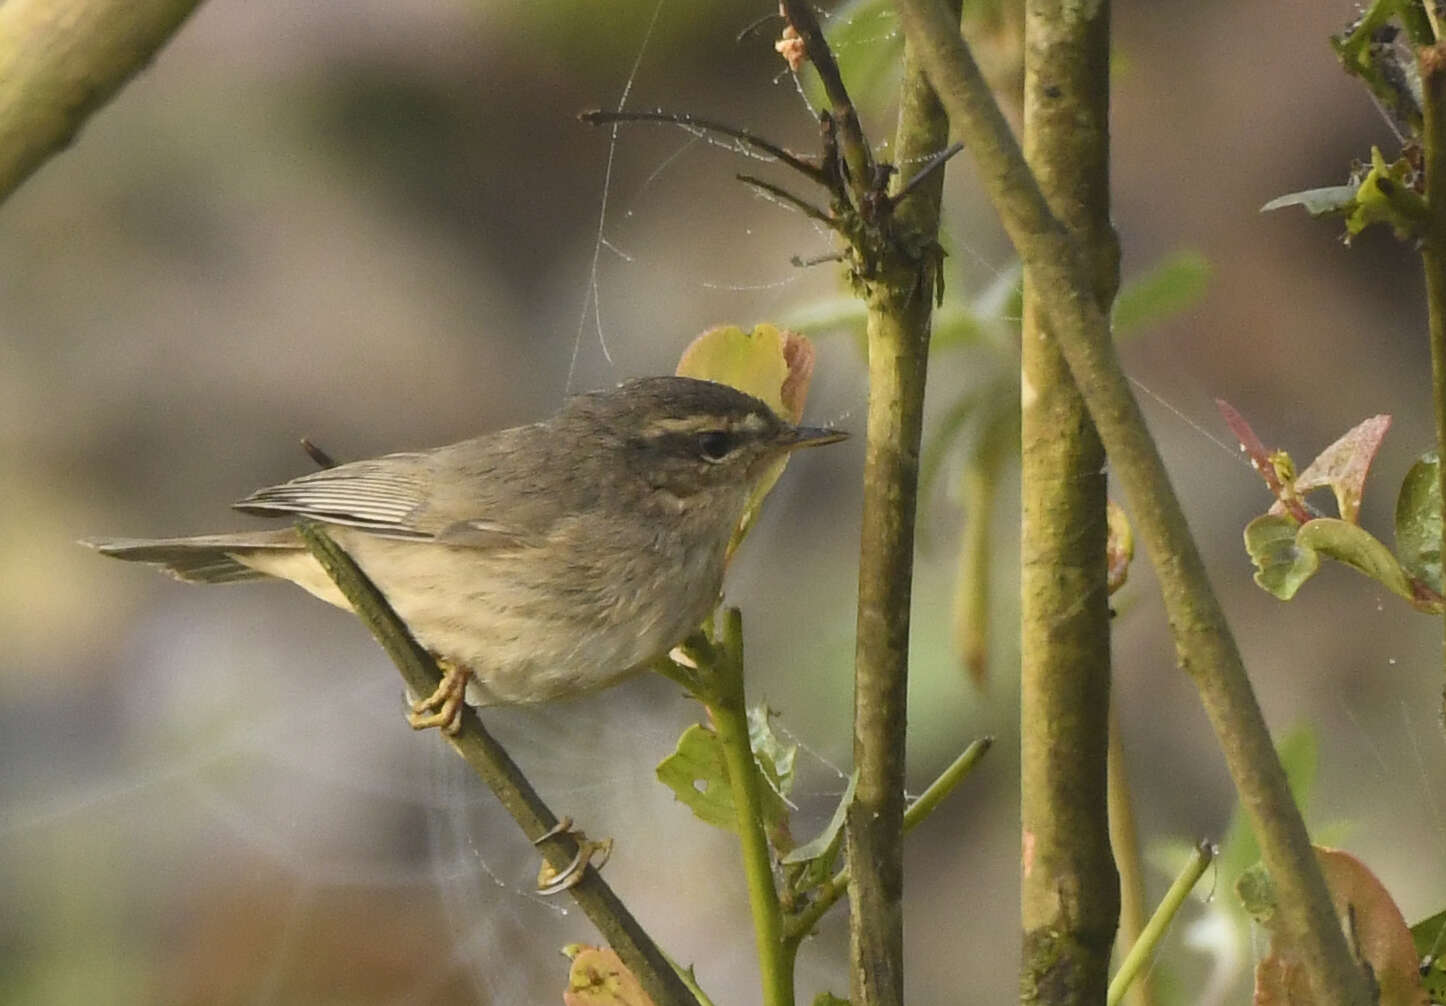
598 977
698 777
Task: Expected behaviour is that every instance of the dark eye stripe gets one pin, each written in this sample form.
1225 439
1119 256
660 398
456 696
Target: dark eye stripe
715 445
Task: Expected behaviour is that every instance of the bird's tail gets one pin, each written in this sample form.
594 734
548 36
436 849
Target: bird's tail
206 558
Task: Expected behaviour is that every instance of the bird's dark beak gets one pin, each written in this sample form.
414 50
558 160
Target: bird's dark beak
813 436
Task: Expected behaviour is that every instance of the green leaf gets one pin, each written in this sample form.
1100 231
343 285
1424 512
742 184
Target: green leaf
775 759
1429 936
770 363
749 361
1281 567
1337 199
1175 284
824 846
698 777
829 999
1418 521
1287 555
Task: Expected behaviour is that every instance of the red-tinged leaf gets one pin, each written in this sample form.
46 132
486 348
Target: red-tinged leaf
1342 467
1273 466
1249 442
1373 924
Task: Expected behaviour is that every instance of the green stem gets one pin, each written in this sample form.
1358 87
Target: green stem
1154 931
688 978
1124 840
801 925
730 720
488 759
1205 647
1433 250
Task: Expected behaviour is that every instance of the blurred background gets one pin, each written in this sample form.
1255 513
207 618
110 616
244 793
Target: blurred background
380 226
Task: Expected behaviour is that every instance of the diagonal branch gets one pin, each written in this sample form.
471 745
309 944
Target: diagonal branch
488 759
1204 645
60 60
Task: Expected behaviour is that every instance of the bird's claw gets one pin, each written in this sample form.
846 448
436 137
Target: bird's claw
589 853
443 708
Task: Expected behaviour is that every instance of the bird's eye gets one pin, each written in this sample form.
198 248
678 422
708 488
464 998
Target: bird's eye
715 445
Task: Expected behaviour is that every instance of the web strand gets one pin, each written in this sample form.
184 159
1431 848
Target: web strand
592 299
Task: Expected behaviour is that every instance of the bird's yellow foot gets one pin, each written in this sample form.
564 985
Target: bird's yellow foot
443 708
589 853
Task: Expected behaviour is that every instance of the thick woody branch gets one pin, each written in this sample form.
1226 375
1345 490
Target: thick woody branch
60 60
1205 647
1069 891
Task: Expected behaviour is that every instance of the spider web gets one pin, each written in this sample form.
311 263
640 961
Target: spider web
210 824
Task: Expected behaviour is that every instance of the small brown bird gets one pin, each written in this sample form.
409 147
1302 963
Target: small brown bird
535 562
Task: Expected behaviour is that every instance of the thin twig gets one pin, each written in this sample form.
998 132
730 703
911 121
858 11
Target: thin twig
784 196
603 117
322 459
1154 931
857 154
827 895
935 163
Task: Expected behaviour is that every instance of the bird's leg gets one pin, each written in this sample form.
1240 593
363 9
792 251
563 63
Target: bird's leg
443 708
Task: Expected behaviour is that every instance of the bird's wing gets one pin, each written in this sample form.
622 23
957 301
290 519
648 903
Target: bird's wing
392 496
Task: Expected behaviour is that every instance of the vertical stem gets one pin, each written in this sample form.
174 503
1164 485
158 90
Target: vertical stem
972 593
1069 893
901 301
1125 842
1204 645
730 720
1433 254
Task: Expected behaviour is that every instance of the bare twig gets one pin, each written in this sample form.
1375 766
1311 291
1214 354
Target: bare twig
696 123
